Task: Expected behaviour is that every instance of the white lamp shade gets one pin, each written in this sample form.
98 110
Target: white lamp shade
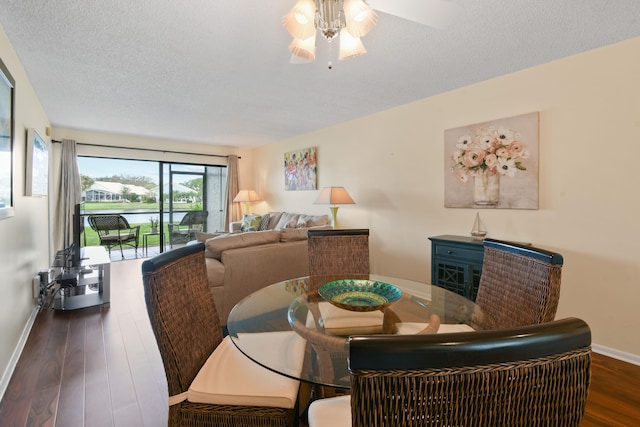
247 196
334 196
304 48
350 46
300 21
360 17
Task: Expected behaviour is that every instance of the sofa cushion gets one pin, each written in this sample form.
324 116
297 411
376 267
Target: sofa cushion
203 237
250 222
217 245
215 272
287 220
293 234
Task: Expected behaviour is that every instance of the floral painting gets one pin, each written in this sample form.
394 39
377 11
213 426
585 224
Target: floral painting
300 169
493 164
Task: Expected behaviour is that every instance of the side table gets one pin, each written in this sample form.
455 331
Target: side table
145 239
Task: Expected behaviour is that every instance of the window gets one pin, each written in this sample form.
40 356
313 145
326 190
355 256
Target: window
141 190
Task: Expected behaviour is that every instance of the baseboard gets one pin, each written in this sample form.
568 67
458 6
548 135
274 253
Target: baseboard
13 362
616 354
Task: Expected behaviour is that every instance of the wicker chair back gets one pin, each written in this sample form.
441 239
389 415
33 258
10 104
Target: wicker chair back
187 329
520 285
527 376
338 252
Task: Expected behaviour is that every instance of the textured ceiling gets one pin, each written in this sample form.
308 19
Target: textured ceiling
218 71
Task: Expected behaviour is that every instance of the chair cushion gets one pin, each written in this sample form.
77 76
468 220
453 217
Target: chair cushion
230 378
330 412
412 328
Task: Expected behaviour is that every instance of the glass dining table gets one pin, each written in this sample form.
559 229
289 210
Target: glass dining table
290 329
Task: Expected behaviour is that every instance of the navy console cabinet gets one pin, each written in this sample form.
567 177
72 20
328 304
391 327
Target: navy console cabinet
456 264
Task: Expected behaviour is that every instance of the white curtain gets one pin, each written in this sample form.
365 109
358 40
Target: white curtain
233 211
70 190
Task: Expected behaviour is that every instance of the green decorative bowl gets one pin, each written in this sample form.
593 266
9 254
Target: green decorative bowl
359 295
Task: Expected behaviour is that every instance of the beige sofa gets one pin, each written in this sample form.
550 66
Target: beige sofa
241 263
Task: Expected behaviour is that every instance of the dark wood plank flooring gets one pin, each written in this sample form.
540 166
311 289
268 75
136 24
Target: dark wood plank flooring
100 366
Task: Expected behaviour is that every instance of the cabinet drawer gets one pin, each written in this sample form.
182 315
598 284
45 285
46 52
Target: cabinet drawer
460 253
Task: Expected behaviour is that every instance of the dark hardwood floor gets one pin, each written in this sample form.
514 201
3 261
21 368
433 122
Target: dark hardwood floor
100 367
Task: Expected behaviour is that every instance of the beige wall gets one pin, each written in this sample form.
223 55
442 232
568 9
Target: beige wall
24 243
392 163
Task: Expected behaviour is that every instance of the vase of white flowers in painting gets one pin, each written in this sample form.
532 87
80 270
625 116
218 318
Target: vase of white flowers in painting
484 159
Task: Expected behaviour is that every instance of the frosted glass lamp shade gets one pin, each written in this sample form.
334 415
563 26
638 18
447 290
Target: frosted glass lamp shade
300 21
304 48
360 17
350 46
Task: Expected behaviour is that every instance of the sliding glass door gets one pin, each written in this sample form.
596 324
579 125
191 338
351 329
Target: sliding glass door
147 191
192 188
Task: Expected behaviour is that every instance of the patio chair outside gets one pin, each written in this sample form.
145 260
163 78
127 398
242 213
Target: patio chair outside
114 230
185 230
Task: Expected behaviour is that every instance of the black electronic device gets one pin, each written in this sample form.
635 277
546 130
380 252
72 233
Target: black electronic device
76 257
67 280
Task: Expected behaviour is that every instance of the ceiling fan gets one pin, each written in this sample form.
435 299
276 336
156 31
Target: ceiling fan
350 20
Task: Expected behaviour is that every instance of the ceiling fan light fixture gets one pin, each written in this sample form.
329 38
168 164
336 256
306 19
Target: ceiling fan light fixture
350 46
300 21
360 17
347 20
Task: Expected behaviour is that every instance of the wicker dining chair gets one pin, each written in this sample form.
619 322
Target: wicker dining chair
536 375
210 382
341 252
519 285
114 230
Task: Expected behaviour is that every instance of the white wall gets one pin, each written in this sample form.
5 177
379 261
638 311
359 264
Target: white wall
392 163
24 238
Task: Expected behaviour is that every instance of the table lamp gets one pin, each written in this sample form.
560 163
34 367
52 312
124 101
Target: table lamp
246 197
334 196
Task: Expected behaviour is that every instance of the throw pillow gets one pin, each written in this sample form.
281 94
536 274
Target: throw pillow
250 222
287 220
274 218
264 223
